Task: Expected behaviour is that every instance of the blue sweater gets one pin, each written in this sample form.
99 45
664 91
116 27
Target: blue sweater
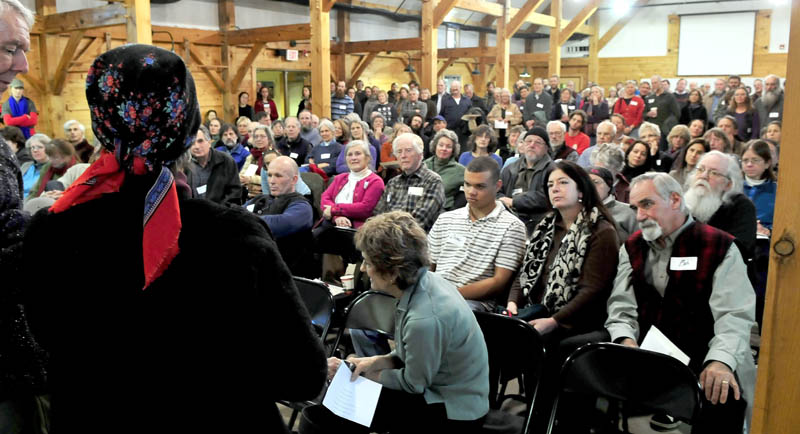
326 153
239 154
763 196
465 158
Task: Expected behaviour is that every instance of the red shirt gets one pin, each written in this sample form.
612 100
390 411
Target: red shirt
631 112
578 142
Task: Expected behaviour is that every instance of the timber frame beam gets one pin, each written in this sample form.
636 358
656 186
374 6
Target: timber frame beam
578 21
112 14
361 67
616 27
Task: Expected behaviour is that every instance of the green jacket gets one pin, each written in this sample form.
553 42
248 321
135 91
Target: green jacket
452 175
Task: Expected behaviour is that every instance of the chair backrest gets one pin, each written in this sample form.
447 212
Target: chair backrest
372 310
515 348
315 184
339 241
653 381
319 302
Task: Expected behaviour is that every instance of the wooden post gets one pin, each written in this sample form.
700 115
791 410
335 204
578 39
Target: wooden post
503 46
481 80
554 62
227 22
320 58
138 23
343 32
778 378
594 59
51 106
430 41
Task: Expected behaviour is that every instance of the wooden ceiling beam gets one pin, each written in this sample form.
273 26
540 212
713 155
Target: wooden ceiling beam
577 21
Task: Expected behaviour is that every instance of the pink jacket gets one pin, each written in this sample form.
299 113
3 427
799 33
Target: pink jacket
366 195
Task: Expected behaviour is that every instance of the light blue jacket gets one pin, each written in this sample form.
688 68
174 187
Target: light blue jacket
441 348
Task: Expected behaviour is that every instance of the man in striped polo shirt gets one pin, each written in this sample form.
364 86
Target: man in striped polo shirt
479 247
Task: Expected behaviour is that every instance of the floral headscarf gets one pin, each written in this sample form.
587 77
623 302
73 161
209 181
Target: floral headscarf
145 113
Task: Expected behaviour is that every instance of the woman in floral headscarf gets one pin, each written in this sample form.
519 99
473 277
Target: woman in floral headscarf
142 335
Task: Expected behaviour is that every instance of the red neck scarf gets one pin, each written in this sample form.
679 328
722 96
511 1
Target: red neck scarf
162 216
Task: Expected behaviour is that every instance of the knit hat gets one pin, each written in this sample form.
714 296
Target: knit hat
17 83
603 173
539 131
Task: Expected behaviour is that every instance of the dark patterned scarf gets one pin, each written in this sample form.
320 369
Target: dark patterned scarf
563 275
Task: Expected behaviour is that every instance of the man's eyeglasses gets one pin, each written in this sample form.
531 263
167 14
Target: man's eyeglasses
711 172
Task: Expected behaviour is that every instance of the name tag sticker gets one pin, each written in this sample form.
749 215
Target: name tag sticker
342 107
571 107
658 162
293 155
540 105
634 102
251 170
683 264
325 156
415 191
202 189
461 188
774 115
251 207
651 100
500 124
516 191
457 240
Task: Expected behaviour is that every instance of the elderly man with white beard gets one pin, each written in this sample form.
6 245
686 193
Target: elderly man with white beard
770 105
687 279
714 195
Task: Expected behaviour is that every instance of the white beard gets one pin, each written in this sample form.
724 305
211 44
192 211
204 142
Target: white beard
651 230
703 203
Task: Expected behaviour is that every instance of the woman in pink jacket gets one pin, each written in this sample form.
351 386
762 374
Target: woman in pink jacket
351 196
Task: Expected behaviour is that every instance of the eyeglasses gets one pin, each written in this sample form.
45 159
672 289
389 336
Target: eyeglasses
746 161
259 136
711 172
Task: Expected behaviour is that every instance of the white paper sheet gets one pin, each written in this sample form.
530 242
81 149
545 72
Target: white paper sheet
656 341
352 400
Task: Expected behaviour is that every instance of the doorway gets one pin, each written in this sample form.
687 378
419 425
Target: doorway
286 88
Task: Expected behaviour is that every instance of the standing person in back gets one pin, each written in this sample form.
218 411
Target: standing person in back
19 110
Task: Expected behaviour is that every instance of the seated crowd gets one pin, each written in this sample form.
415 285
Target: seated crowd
564 208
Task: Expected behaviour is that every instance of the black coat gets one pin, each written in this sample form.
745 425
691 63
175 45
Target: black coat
689 114
223 185
209 346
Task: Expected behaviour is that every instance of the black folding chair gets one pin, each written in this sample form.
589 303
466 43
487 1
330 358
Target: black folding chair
340 241
319 303
650 381
515 350
372 310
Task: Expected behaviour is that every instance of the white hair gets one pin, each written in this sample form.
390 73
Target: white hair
613 127
416 141
732 171
16 6
559 123
608 155
73 121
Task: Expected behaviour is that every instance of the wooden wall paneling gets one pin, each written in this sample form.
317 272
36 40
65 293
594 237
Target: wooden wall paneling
778 384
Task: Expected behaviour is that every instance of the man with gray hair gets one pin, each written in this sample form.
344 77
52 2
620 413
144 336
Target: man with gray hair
417 190
605 134
76 136
560 151
611 156
661 108
412 106
307 129
689 280
714 196
770 105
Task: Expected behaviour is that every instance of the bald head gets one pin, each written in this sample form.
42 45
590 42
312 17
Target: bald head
283 175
